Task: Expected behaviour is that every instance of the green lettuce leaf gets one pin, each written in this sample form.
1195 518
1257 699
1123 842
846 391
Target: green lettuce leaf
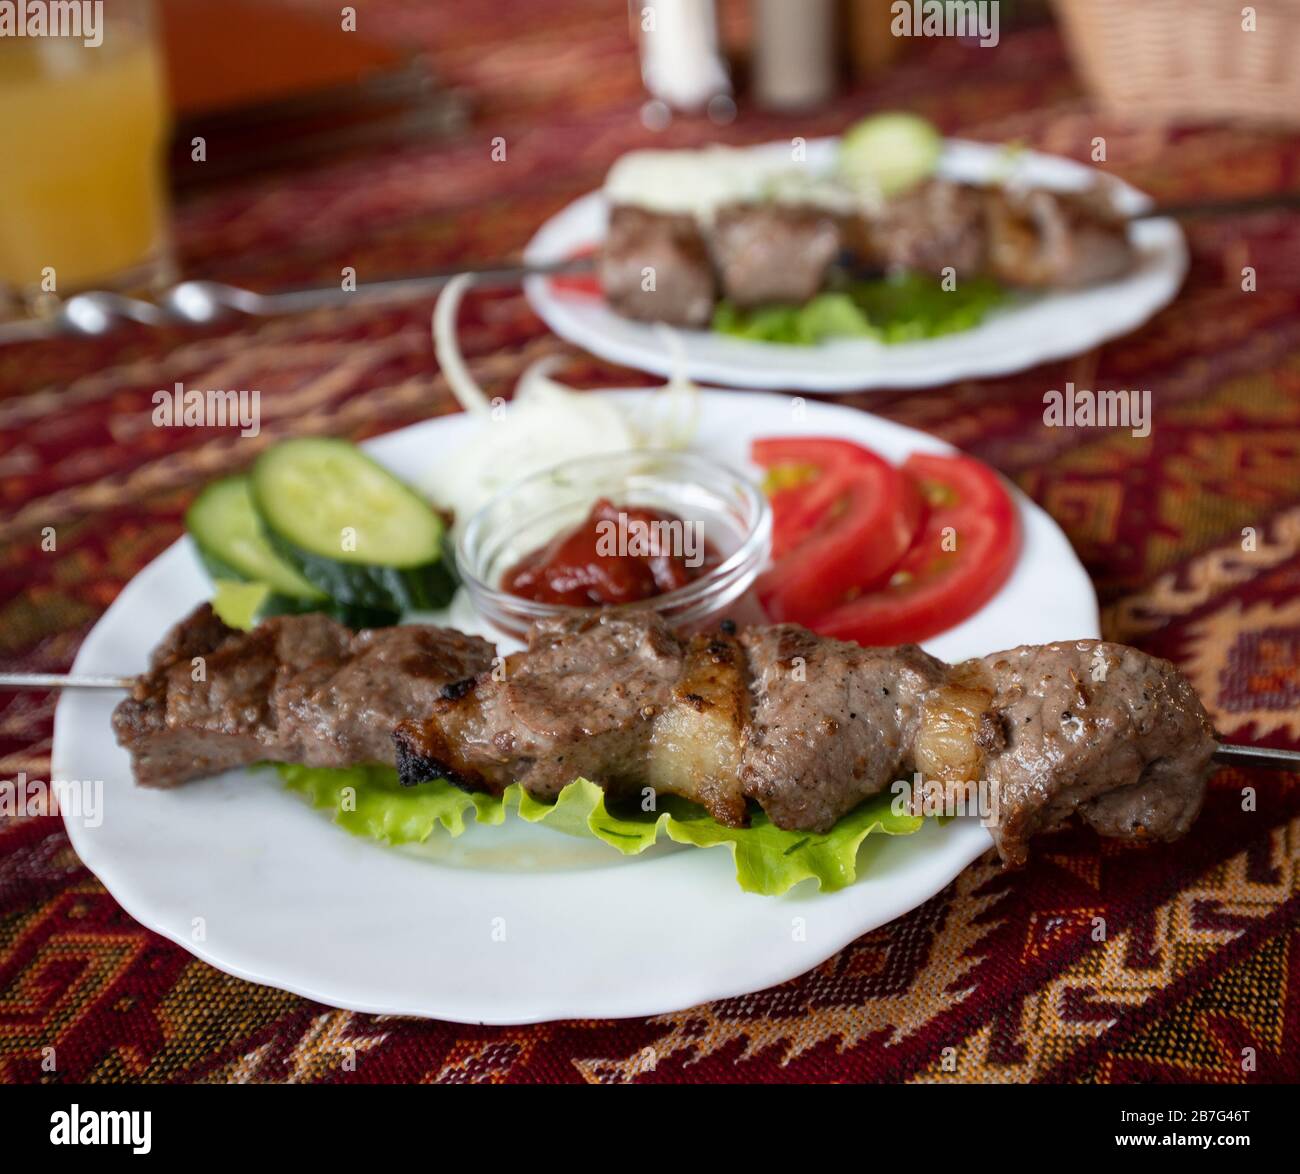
369 801
906 307
770 860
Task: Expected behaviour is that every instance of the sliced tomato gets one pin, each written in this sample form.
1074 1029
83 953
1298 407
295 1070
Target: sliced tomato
966 551
579 285
804 476
842 520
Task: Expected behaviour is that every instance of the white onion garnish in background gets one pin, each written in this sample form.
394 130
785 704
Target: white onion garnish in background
829 191
694 182
697 182
545 423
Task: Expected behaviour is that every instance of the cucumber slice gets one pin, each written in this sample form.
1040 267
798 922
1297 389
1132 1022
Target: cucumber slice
352 529
232 545
250 580
890 152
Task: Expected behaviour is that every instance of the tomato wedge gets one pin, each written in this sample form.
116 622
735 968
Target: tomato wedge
579 285
842 520
966 551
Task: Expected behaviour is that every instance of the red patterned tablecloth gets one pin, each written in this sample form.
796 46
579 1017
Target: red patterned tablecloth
996 979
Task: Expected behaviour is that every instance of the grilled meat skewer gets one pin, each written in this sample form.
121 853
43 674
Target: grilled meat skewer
765 252
804 726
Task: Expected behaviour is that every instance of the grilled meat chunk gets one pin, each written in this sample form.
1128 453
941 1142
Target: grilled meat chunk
930 228
295 689
207 702
682 286
616 699
1099 730
578 703
343 710
1052 240
833 723
767 253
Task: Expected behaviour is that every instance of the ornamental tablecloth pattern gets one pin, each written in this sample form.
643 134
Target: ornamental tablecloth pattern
996 979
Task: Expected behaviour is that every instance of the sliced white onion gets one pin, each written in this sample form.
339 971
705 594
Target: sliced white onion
546 423
447 349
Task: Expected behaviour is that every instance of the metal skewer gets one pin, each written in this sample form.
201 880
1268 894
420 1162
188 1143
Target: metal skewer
1262 756
1272 202
197 303
1227 754
36 681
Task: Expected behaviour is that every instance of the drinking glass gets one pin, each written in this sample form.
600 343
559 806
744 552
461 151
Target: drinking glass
83 123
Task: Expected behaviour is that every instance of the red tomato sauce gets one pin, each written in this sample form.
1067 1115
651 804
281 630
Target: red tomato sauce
617 554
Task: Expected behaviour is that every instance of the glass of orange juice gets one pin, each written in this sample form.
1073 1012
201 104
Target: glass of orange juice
83 120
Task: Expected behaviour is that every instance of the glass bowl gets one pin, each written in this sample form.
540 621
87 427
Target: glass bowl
732 513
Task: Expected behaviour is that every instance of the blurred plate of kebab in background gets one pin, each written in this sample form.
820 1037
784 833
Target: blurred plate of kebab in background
890 258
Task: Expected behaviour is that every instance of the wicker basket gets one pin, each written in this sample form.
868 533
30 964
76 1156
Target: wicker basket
1188 60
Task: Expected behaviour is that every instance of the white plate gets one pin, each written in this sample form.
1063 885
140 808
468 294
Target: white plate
244 875
1047 327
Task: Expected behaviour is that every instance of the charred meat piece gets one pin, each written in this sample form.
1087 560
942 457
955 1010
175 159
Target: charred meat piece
697 741
772 253
833 723
1040 240
655 267
295 689
1086 728
619 700
578 703
341 711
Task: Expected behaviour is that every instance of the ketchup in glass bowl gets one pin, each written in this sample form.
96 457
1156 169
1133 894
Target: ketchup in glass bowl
615 555
664 530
